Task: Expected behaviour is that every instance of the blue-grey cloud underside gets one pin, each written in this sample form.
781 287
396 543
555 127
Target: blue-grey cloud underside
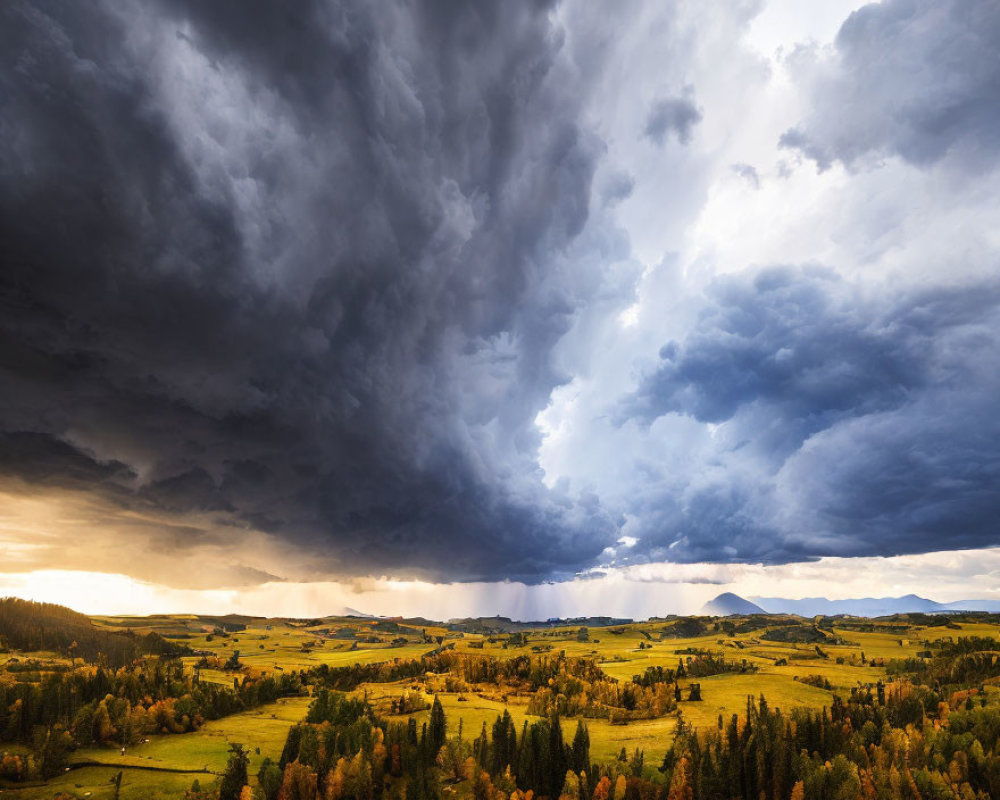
869 420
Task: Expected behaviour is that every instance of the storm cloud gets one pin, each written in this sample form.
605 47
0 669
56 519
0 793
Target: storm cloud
485 292
849 423
916 79
310 287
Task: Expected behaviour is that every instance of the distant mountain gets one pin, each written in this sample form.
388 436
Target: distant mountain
727 604
858 607
992 606
346 611
870 606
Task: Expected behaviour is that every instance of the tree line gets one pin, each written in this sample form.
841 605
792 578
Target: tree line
27 625
92 705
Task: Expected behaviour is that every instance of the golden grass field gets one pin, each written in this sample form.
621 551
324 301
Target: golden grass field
270 645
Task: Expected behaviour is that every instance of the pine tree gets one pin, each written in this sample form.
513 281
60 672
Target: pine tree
581 748
504 744
269 779
557 758
235 776
438 729
480 747
290 751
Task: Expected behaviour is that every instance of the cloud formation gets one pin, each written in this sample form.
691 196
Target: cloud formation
917 79
432 292
310 288
673 115
850 423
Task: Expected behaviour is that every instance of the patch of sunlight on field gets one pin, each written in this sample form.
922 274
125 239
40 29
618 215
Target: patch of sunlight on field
347 658
653 736
727 695
606 740
842 677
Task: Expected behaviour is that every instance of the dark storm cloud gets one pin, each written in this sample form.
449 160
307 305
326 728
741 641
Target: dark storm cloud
299 269
914 78
673 115
792 339
851 423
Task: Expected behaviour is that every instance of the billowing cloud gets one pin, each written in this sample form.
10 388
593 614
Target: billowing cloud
917 79
847 422
310 289
480 293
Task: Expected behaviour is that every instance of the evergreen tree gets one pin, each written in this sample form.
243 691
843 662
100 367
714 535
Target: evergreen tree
556 771
580 750
290 751
504 744
480 748
235 776
438 729
269 779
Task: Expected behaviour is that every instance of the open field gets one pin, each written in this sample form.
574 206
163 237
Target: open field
606 740
200 755
619 655
777 653
281 644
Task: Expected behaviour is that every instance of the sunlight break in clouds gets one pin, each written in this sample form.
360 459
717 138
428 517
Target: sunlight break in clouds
637 592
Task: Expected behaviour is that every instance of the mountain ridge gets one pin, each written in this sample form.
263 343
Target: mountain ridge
869 606
728 604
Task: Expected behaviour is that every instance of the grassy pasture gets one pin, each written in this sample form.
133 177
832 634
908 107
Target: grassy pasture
606 740
620 657
619 654
265 728
270 644
275 644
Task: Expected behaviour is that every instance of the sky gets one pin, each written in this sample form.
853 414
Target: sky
538 309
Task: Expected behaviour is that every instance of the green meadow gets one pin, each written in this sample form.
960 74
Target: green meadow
788 673
200 755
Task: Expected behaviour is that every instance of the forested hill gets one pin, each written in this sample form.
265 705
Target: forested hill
26 625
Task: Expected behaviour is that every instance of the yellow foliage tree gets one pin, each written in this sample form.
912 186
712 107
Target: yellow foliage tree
680 783
571 787
298 782
335 780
